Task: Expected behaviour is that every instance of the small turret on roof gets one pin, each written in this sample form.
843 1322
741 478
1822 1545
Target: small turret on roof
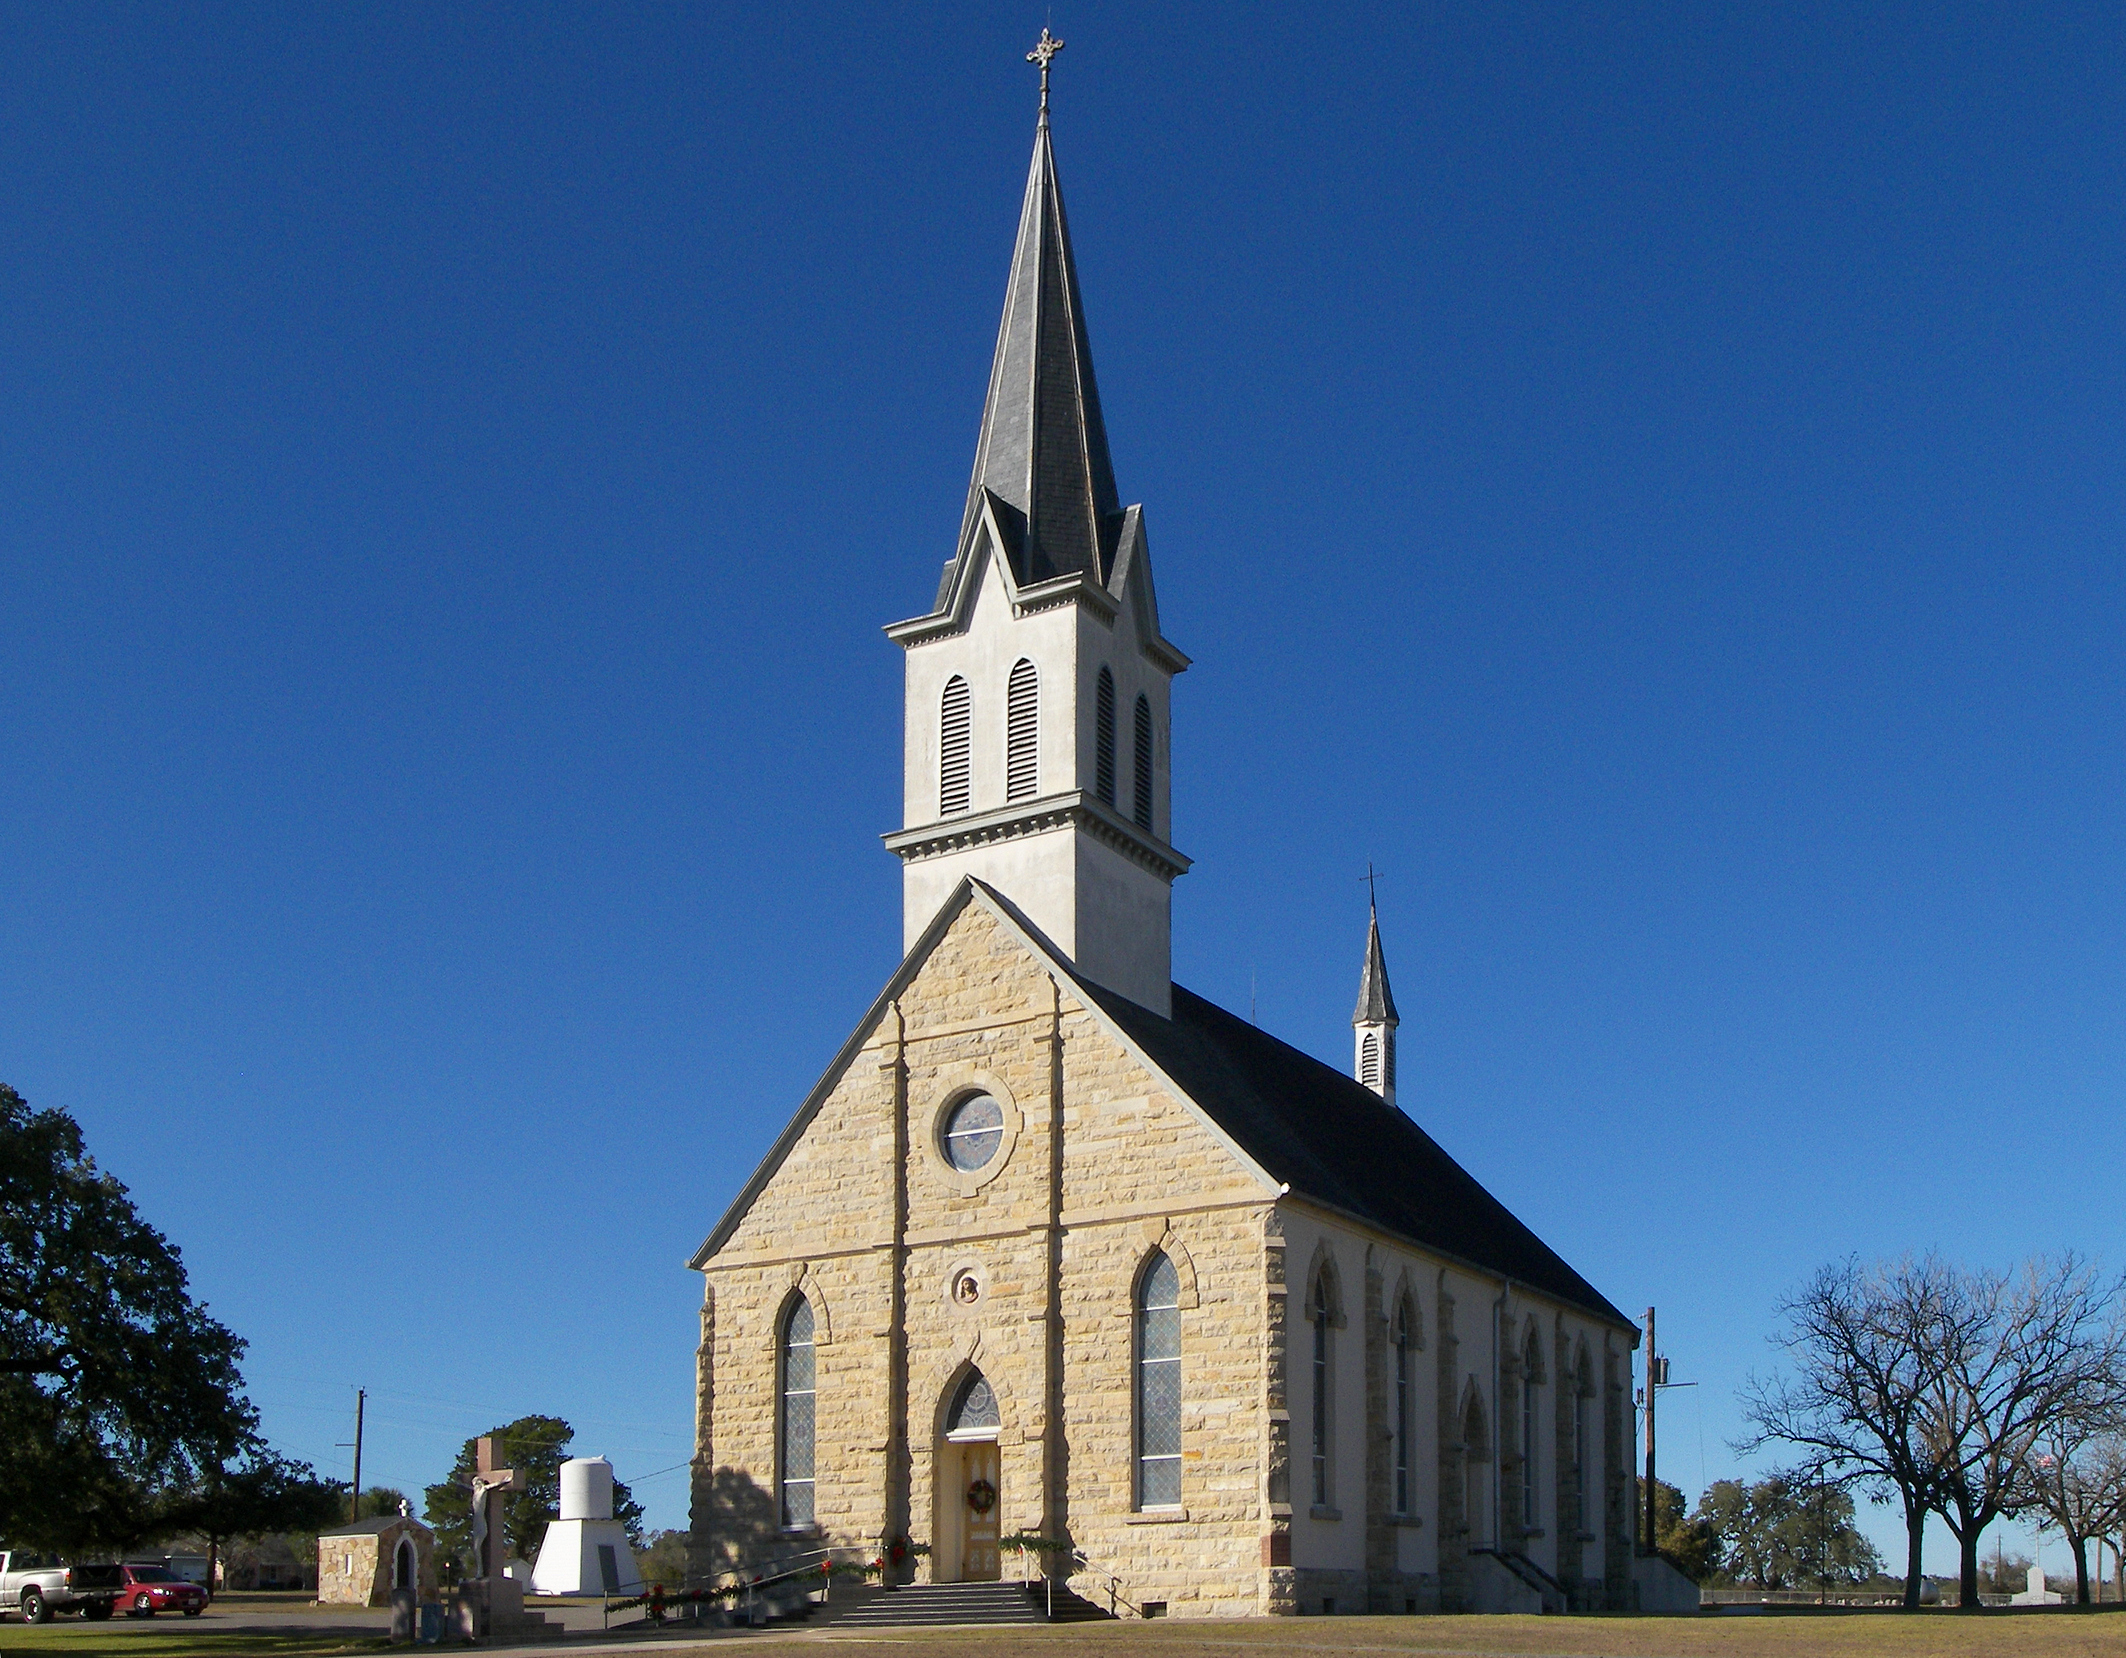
1376 1002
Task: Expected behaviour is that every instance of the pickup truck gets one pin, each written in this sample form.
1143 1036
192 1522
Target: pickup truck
37 1585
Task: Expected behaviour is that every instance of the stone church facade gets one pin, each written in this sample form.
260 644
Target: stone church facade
1057 1249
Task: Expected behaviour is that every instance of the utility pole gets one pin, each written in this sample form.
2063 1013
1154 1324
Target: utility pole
1653 1383
361 1396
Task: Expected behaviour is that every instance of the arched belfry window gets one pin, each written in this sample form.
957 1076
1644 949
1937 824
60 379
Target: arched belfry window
1405 1338
1104 738
955 747
796 1426
1369 1060
1159 1384
1320 1312
1141 798
1022 732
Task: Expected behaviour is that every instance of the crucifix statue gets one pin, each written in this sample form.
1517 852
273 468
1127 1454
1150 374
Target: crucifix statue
1044 53
489 1483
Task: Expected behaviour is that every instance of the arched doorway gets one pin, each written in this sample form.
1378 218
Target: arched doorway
969 1486
405 1570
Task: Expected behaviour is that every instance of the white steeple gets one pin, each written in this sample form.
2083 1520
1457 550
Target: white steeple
1373 1025
1036 721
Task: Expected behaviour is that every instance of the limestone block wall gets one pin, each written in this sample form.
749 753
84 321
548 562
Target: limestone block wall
346 1571
1028 1269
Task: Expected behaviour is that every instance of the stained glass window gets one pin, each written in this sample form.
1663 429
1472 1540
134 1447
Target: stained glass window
1159 1385
798 1399
973 1130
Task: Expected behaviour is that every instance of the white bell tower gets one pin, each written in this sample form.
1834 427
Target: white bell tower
1037 715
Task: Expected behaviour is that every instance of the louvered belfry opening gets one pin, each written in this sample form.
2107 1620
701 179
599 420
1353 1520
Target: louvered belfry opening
1022 733
1142 804
955 748
1104 739
1369 1061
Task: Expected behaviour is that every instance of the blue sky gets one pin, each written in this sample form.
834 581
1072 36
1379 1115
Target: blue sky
1646 477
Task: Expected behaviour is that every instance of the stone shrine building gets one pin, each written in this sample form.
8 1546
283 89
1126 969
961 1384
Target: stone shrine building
361 1563
1057 1247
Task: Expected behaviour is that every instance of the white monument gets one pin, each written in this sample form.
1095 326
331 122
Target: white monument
586 1552
2035 1593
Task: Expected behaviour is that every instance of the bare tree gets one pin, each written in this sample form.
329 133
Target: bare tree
1865 1369
2076 1476
2013 1357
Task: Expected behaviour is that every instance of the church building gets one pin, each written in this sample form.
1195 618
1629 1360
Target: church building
1058 1249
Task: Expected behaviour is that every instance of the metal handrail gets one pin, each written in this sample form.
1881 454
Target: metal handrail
1077 1560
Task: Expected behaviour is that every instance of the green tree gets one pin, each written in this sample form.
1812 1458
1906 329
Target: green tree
264 1493
535 1447
664 1558
116 1387
1679 1535
1783 1532
379 1501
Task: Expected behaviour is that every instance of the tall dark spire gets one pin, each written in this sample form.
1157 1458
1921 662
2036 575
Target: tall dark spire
1043 449
1376 1002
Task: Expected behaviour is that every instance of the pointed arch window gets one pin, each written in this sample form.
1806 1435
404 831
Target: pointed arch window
1159 1384
1405 1336
1022 732
1104 738
1531 1361
1369 1060
1141 798
955 747
1319 1313
1582 1394
797 1414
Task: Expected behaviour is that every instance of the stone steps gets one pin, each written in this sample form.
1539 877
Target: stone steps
965 1603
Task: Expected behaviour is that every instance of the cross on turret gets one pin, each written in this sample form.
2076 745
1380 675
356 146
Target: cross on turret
1044 53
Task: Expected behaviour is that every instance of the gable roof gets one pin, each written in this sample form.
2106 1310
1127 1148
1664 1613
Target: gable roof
1287 1118
1334 1140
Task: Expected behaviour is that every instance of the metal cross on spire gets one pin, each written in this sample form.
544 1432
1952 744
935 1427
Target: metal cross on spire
1044 53
1370 877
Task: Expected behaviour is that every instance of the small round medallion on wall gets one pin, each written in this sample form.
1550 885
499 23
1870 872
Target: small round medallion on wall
966 1287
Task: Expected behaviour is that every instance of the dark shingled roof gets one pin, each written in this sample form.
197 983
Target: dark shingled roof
1333 1139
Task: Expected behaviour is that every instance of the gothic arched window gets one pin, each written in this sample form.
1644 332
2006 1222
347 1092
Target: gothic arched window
1104 738
1531 1362
1405 1337
955 747
1319 1314
1159 1385
1582 1402
1369 1060
1022 732
796 1426
1141 801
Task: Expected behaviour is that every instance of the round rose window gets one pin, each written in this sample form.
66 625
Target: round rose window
974 1129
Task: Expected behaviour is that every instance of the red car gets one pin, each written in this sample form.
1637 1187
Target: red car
150 1589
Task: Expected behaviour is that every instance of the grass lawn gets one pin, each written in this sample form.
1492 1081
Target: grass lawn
172 1638
1871 1635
